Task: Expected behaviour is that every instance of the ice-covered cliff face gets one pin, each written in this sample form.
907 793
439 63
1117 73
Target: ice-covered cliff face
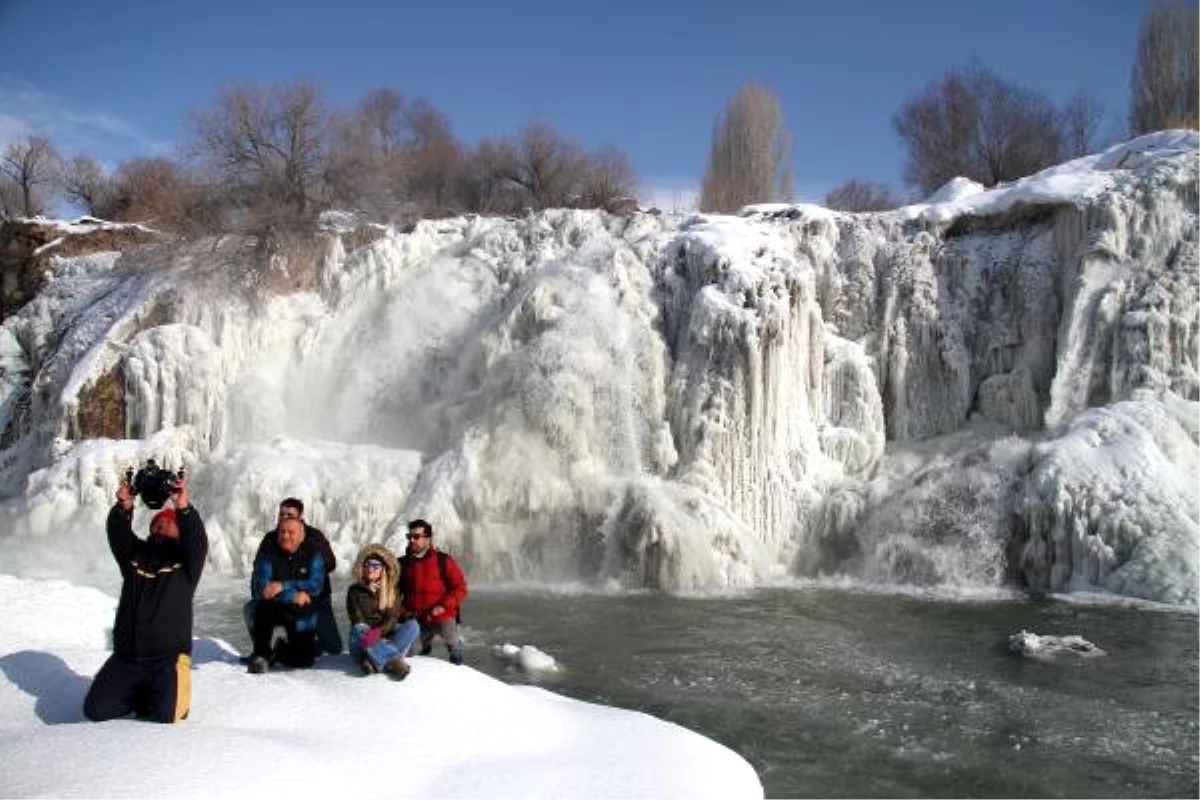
996 389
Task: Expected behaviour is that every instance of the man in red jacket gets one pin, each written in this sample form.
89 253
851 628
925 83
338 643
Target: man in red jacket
432 588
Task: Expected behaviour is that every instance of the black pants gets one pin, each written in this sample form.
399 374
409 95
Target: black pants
329 638
158 689
297 650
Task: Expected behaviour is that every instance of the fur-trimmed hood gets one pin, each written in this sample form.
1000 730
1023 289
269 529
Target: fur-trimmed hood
391 564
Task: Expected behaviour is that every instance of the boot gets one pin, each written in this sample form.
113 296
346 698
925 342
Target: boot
397 667
456 653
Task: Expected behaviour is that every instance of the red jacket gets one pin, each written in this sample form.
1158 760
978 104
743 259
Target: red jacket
421 587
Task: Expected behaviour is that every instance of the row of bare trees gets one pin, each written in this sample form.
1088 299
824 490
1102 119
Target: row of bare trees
968 123
275 155
262 156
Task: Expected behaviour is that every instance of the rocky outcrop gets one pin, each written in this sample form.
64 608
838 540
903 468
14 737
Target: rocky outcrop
26 246
102 407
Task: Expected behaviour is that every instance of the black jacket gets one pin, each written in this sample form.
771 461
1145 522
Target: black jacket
159 578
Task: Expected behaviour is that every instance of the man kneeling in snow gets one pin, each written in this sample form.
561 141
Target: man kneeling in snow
149 672
288 576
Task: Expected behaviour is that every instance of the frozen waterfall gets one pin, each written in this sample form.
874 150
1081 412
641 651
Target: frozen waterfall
995 389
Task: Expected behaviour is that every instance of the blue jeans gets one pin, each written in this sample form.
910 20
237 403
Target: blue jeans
388 647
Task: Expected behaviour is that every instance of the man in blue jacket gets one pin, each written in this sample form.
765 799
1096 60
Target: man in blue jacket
329 639
288 578
149 672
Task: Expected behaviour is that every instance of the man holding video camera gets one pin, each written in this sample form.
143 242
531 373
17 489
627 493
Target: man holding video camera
149 671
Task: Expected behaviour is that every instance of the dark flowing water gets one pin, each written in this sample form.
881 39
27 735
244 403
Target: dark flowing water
833 693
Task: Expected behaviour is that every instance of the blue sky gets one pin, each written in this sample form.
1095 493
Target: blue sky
118 79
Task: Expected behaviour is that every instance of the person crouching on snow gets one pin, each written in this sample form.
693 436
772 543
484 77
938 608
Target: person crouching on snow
378 639
432 588
288 576
149 671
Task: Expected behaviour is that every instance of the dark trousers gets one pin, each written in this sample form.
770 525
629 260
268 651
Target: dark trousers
329 638
297 650
448 630
158 689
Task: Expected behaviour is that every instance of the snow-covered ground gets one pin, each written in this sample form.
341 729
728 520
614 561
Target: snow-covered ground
445 731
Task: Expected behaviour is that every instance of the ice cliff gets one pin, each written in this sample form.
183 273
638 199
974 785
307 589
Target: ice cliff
993 388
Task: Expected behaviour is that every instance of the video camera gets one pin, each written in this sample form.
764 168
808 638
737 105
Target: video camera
154 484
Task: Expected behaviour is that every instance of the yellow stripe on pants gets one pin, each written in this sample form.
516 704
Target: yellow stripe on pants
183 686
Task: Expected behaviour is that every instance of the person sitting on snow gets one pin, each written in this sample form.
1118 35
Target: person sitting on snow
378 639
287 580
432 588
149 671
329 638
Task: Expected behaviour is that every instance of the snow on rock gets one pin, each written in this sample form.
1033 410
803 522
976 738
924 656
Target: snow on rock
527 657
1046 647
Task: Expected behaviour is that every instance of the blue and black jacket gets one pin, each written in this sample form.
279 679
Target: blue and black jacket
159 578
301 571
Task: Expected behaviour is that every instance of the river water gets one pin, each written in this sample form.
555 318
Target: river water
836 692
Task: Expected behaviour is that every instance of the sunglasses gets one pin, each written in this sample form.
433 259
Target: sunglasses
411 536
372 565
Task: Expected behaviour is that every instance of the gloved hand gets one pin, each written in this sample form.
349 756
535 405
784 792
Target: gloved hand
372 636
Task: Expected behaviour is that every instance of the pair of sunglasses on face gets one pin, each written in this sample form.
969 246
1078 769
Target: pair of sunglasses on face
372 563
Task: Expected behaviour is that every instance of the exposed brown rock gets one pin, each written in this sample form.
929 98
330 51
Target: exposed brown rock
102 407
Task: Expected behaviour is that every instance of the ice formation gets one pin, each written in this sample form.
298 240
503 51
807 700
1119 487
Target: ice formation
526 657
998 387
1047 647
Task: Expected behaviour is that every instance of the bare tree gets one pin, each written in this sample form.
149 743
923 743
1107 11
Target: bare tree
393 158
267 143
546 167
1079 120
151 190
482 185
382 114
10 200
433 159
351 174
1165 83
30 165
855 195
366 162
749 161
974 124
85 185
609 181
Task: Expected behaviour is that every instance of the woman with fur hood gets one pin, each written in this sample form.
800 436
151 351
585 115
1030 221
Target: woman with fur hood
378 639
